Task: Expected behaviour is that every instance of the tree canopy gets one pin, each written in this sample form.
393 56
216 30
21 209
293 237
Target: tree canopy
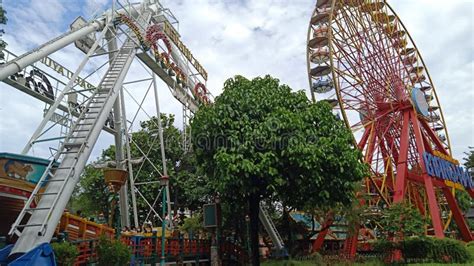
402 220
260 139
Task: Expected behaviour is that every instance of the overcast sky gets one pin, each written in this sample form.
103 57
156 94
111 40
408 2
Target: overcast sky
250 38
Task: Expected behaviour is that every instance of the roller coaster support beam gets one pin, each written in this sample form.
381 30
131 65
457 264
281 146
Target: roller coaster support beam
119 157
59 98
162 149
318 243
67 38
48 48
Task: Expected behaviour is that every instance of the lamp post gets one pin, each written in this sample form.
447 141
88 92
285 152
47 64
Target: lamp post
164 183
215 247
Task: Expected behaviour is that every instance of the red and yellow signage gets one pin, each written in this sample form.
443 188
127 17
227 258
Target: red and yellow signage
174 37
154 33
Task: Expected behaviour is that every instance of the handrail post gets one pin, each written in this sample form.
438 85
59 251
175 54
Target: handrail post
153 244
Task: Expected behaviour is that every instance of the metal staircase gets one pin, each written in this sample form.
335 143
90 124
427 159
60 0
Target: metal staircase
272 231
62 174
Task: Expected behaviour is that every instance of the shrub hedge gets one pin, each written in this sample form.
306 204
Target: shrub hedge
112 252
426 249
65 253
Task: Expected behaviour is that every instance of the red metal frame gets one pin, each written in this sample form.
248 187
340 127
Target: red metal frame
323 232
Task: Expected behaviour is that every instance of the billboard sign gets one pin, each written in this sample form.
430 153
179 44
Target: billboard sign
448 169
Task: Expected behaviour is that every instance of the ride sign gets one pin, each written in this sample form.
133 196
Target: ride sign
446 169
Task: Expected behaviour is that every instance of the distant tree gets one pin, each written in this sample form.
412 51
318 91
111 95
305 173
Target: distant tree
184 183
3 20
3 15
91 196
469 161
186 188
402 220
463 198
261 140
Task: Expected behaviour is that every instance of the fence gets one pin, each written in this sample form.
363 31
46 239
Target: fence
78 228
147 250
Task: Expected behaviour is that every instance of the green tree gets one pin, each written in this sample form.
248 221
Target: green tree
65 253
463 198
91 196
469 160
402 220
3 17
261 140
112 252
184 184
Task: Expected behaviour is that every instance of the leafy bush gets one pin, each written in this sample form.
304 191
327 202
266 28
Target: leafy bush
417 248
426 249
314 258
192 225
470 249
112 252
402 219
385 246
65 253
449 250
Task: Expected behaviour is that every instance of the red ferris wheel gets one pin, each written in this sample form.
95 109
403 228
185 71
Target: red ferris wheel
362 60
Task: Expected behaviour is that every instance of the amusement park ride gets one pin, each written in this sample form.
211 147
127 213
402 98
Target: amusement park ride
144 33
361 60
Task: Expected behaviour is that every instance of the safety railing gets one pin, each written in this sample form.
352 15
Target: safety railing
78 228
147 250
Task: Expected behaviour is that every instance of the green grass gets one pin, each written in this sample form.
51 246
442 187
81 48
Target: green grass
372 263
286 263
470 249
310 263
440 264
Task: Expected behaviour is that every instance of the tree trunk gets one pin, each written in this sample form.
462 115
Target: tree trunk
286 222
254 203
176 203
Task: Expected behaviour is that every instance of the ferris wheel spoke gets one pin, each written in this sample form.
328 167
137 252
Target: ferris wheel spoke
365 136
374 56
367 75
363 30
376 43
381 41
353 90
437 142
